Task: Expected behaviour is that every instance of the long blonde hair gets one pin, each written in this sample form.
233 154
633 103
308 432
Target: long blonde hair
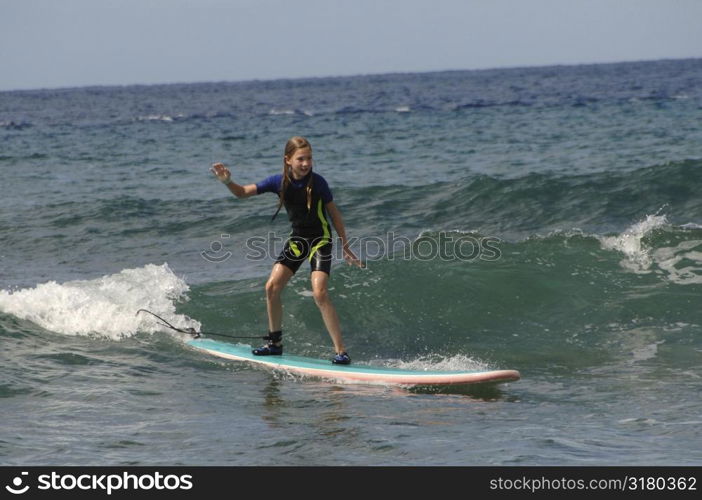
293 144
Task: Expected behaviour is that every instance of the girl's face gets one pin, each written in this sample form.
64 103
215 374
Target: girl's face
300 162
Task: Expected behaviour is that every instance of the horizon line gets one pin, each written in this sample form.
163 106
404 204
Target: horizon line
350 75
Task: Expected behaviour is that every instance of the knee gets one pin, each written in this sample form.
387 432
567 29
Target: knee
321 297
273 289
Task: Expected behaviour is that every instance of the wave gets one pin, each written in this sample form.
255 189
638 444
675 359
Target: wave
160 118
289 112
482 103
103 307
652 245
570 296
514 208
15 125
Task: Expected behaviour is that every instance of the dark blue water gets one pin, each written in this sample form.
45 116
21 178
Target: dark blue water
540 219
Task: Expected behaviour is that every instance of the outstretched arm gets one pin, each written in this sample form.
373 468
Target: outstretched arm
222 173
338 222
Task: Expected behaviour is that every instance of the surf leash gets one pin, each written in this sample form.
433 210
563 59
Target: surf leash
195 333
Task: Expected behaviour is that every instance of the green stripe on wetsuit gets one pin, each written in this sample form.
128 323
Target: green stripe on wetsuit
326 237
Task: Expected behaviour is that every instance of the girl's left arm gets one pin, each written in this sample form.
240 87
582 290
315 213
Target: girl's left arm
338 222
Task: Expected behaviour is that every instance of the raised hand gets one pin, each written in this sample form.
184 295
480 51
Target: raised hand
221 172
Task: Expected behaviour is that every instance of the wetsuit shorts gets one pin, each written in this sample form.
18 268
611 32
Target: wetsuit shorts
318 251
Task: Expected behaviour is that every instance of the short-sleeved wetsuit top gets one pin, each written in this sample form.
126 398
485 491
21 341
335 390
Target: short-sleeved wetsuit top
311 236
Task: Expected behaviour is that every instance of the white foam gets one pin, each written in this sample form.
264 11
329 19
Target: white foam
645 352
289 112
104 306
638 258
457 362
155 118
680 264
276 112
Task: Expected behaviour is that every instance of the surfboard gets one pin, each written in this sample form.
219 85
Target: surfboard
353 373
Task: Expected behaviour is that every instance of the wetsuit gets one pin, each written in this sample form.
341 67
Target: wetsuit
310 238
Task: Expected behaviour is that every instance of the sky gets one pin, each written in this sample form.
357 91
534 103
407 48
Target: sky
69 43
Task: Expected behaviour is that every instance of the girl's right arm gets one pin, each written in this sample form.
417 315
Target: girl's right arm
237 190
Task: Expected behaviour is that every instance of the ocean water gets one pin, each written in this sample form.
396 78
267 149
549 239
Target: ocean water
547 220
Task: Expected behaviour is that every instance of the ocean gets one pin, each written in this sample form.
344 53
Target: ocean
547 220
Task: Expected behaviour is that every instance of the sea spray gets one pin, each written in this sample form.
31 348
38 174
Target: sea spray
455 362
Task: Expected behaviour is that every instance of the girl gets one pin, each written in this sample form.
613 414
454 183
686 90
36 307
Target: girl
307 200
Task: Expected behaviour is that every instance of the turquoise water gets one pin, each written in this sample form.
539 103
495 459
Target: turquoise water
546 220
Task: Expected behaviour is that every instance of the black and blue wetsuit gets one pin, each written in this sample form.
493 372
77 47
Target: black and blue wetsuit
311 235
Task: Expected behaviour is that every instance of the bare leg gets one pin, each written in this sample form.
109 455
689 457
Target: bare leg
320 281
280 275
